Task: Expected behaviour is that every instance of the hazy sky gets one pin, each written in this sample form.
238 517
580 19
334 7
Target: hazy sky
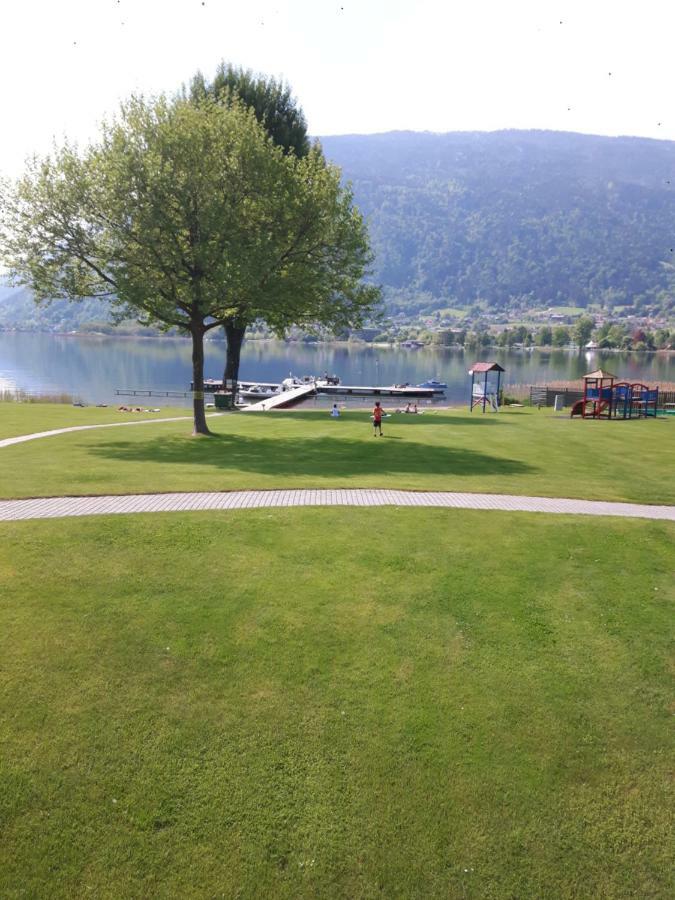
577 65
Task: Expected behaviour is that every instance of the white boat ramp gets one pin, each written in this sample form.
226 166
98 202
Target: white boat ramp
285 398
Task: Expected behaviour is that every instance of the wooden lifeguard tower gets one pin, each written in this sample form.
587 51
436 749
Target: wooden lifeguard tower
485 392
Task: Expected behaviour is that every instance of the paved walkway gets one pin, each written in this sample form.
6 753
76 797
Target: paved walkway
7 442
57 507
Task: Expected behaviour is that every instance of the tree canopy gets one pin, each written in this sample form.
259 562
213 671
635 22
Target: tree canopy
275 108
181 211
270 99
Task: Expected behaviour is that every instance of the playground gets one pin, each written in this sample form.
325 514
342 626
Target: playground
605 397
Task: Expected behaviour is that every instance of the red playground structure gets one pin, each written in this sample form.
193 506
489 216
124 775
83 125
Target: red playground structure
606 398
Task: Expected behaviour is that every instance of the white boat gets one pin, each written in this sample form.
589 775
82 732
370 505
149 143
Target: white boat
259 391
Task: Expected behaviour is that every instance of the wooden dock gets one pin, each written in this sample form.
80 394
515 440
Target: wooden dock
409 391
279 401
355 390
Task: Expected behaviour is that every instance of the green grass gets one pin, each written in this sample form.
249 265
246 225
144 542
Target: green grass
517 451
336 703
26 418
567 310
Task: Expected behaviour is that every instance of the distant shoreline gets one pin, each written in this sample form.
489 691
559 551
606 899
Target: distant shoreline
379 345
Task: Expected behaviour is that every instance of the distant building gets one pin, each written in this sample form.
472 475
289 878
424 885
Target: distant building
366 334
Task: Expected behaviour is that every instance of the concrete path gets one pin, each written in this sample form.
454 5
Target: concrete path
7 442
57 507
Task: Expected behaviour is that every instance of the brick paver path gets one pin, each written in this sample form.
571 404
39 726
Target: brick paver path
56 507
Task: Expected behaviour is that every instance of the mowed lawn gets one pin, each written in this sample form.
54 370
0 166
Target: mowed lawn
27 418
336 703
516 451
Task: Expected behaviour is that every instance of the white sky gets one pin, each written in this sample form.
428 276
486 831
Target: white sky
355 67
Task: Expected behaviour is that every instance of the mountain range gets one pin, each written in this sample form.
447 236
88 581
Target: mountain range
531 218
500 221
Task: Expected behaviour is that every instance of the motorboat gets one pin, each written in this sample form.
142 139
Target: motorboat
259 391
435 385
327 380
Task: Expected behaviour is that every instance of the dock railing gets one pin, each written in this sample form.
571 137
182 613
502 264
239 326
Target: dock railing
132 392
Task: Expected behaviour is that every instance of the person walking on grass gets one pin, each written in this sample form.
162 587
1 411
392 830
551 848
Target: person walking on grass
377 419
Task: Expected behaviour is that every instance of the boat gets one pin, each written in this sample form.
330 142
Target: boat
294 381
327 380
259 391
439 386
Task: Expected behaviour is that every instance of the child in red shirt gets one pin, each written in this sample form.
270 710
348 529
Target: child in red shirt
377 419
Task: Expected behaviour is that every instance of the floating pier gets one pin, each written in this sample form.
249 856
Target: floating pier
320 386
355 390
137 392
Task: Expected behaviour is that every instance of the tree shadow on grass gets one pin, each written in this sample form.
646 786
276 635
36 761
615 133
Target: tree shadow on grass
319 456
425 417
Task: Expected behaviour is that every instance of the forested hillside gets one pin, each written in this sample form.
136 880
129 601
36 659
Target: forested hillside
18 310
539 218
503 220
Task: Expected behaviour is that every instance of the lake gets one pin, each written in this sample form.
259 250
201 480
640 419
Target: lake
94 367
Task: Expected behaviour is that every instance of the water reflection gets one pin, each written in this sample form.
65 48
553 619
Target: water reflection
93 367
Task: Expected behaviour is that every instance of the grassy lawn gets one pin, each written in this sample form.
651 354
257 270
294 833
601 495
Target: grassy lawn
336 703
518 451
26 418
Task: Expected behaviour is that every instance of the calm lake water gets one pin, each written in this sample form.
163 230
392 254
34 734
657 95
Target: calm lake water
94 367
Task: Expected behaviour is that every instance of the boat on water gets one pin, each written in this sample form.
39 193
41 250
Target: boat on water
432 383
259 391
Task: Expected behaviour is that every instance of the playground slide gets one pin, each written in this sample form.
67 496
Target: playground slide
599 407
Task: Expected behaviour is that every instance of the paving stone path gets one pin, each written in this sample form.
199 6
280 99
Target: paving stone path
57 507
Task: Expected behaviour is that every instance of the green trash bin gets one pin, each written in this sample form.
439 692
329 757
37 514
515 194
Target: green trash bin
223 401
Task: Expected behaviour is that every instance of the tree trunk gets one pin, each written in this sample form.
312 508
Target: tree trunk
200 426
234 332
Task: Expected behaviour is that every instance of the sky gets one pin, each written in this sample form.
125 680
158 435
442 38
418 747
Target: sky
592 66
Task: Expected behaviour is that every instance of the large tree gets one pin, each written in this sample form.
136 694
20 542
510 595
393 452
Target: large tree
323 252
583 329
276 109
176 212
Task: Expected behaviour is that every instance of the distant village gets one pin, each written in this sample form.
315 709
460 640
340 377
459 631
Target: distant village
571 329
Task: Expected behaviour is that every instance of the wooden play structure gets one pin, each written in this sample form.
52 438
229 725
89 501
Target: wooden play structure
606 398
485 391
